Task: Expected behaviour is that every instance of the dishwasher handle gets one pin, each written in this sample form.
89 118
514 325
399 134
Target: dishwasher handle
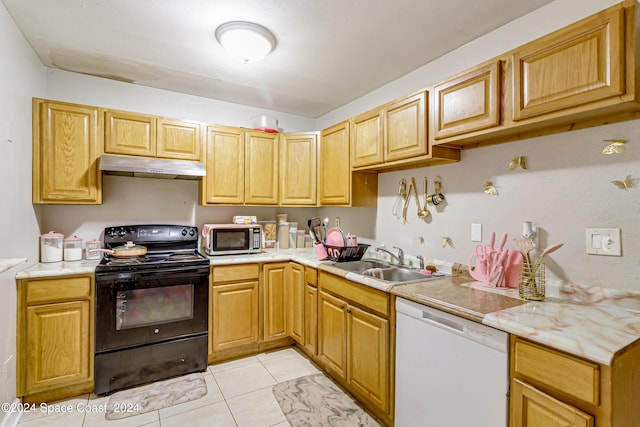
468 329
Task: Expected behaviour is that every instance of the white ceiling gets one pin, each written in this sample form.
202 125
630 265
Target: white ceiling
328 52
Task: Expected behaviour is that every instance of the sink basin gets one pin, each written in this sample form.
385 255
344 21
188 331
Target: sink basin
384 271
396 274
362 265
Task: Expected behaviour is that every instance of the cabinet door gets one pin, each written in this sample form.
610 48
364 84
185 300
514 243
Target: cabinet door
311 310
576 65
467 103
178 140
368 355
335 167
59 347
298 170
405 128
532 408
311 318
367 139
224 162
332 333
66 147
296 303
234 315
261 168
128 133
274 301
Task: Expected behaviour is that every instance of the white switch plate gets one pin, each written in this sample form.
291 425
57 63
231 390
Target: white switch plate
476 232
603 241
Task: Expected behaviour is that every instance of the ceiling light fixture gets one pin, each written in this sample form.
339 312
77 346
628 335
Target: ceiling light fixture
245 40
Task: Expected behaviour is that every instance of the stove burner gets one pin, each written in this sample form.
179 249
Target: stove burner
125 260
183 257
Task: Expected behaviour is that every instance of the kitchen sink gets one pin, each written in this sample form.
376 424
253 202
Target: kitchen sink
385 272
396 274
362 265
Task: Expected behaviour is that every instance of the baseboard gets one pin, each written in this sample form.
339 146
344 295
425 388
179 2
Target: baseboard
11 418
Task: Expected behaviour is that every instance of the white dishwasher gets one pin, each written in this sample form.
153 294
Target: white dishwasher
450 372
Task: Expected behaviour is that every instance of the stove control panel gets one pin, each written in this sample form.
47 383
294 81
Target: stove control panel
150 233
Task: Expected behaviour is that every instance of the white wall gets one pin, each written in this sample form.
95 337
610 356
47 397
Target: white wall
22 76
566 188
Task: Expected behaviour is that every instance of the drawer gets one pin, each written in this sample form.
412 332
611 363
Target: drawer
576 377
311 275
369 298
72 288
235 273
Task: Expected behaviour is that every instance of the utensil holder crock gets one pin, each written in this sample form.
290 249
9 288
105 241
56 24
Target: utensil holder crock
531 287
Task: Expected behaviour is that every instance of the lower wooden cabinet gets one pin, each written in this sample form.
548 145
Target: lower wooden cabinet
551 388
55 337
311 311
234 320
533 408
296 303
233 309
354 341
275 322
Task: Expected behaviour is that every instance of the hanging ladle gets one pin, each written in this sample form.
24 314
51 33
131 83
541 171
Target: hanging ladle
422 212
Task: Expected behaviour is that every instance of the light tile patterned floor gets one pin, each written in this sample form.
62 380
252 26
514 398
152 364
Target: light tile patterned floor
238 395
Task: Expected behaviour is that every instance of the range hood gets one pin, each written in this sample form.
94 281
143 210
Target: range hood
146 167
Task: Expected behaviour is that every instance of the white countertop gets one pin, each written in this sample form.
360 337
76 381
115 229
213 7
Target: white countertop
591 322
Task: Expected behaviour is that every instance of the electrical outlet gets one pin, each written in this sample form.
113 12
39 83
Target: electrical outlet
604 241
337 222
5 368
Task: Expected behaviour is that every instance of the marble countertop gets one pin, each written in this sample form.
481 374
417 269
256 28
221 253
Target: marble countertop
590 322
62 268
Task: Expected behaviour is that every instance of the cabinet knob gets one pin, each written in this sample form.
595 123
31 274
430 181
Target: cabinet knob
348 310
341 306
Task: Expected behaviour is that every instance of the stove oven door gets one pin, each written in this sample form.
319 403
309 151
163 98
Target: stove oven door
144 307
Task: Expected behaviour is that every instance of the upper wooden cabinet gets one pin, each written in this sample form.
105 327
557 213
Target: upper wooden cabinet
136 134
242 167
395 131
580 64
261 168
67 141
394 136
335 170
468 102
178 139
224 161
338 185
298 168
367 139
405 128
580 76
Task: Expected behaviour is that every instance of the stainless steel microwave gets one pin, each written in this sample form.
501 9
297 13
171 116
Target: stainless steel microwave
230 239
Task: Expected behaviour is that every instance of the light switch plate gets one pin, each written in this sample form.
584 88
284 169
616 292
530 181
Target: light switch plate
476 232
603 241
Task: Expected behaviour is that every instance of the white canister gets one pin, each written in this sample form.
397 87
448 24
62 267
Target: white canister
73 248
51 247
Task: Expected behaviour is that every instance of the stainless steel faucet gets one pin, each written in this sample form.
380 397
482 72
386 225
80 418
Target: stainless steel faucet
399 258
421 260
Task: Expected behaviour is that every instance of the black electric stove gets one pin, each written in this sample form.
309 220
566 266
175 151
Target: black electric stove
151 311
